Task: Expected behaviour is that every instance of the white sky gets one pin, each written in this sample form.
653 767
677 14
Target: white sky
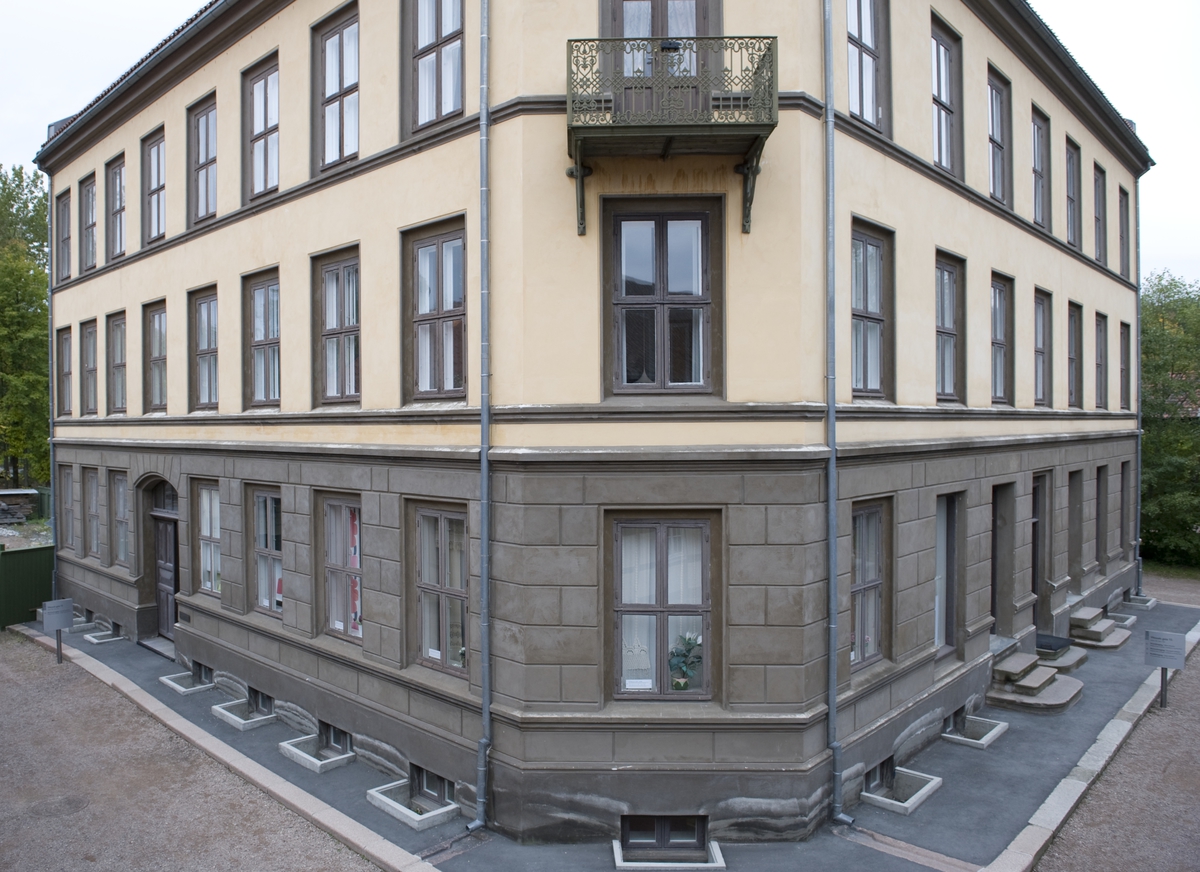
1142 55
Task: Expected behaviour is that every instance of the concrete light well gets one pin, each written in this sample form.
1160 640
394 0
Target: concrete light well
307 751
396 799
185 683
909 789
237 714
977 732
715 860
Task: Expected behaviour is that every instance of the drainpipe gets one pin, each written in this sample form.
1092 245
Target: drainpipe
53 385
831 525
485 439
1137 539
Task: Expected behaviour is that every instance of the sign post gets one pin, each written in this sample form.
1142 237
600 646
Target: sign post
1166 651
58 615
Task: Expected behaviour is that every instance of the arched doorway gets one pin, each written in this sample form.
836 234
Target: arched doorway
164 517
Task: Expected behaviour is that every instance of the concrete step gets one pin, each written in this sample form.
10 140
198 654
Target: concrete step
1097 631
1058 696
1111 642
1014 667
1036 681
1067 662
1085 617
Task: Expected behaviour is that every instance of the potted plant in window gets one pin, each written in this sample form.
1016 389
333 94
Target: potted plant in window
685 659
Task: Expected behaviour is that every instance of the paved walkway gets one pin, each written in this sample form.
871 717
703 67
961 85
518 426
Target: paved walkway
996 809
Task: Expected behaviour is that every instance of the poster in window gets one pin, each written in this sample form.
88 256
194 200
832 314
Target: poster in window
355 608
352 545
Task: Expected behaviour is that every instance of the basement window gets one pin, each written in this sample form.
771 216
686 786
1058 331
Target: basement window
333 742
260 703
430 792
664 838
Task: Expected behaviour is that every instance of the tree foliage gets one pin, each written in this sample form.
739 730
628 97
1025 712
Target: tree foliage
1170 422
24 326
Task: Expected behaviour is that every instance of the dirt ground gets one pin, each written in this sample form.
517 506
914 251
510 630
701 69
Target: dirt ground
1175 588
25 535
90 782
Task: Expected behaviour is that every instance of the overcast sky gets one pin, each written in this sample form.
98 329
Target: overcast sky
1142 55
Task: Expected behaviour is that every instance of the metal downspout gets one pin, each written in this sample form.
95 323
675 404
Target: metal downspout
485 439
53 384
831 524
1137 539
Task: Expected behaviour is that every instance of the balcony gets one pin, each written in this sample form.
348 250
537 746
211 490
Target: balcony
672 96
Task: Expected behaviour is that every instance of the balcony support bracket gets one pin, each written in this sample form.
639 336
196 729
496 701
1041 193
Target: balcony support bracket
579 172
749 169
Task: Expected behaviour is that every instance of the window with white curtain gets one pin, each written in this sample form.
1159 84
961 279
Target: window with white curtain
868 306
209 499
338 84
438 59
866 586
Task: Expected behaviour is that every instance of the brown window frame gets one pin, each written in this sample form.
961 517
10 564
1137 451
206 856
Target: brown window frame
87 224
260 349
442 593
1101 361
946 105
335 573
62 214
87 363
662 610
1074 355
66 507
154 360
63 349
952 270
1074 171
266 532
342 265
999 138
258 140
439 317
1043 348
91 510
869 237
202 161
208 538
116 339
857 49
435 49
1040 146
1002 339
862 584
204 346
154 188
114 193
1126 364
1100 185
337 27
1123 230
119 504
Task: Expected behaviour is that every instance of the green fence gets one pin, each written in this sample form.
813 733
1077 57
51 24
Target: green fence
24 582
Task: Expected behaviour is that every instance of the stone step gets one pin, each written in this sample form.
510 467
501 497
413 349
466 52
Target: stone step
1111 642
1085 617
1094 632
1072 659
1014 667
1058 696
1036 681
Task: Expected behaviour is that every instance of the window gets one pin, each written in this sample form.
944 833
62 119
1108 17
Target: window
1126 515
154 181
87 224
209 498
1125 362
947 86
64 371
1123 230
949 317
439 315
262 101
204 351
664 838
1101 200
91 508
1075 529
118 490
338 95
662 610
1041 169
203 148
115 191
1102 518
869 305
945 573
87 360
116 363
264 342
662 303
1074 187
1042 359
1074 351
268 551
343 569
438 60
338 354
999 125
66 507
1001 341
442 588
156 358
1040 533
63 216
1101 361
866 586
866 25
434 788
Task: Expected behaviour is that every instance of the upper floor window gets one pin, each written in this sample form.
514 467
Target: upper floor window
1101 201
1074 351
116 363
339 92
1074 206
263 101
1042 365
339 331
87 363
440 315
204 160
1101 361
264 342
1123 230
1001 341
1125 367
87 224
869 305
866 35
947 85
204 351
442 588
438 59
156 358
949 315
999 124
1041 169
63 217
154 181
64 371
115 191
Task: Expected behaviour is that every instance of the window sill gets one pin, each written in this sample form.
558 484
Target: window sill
872 400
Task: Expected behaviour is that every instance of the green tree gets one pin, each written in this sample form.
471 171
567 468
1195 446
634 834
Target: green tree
1171 428
24 326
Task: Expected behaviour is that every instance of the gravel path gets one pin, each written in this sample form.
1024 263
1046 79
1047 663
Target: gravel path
90 782
1142 813
1172 590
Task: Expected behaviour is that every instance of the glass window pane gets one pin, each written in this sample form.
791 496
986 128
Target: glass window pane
427 279
856 354
852 17
636 18
331 300
427 529
452 77
451 16
685 565
354 607
874 278
857 296
353 553
431 625
273 160
350 63
273 99
456 621
852 67
265 593
350 136
639 642
426 365
333 382
639 561
352 363
452 274
685 657
333 65
874 355
272 373
259 163
685 329
684 254
452 354
202 138
260 374
212 133
456 553
277 576
332 132
350 295
335 599
637 257
276 517
426 22
638 327
427 88
259 112
868 89
681 18
868 23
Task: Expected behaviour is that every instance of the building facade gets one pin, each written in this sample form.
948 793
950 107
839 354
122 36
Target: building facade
267 312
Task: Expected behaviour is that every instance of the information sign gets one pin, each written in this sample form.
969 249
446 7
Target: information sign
58 615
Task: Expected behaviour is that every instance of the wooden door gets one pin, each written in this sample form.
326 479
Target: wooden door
166 583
